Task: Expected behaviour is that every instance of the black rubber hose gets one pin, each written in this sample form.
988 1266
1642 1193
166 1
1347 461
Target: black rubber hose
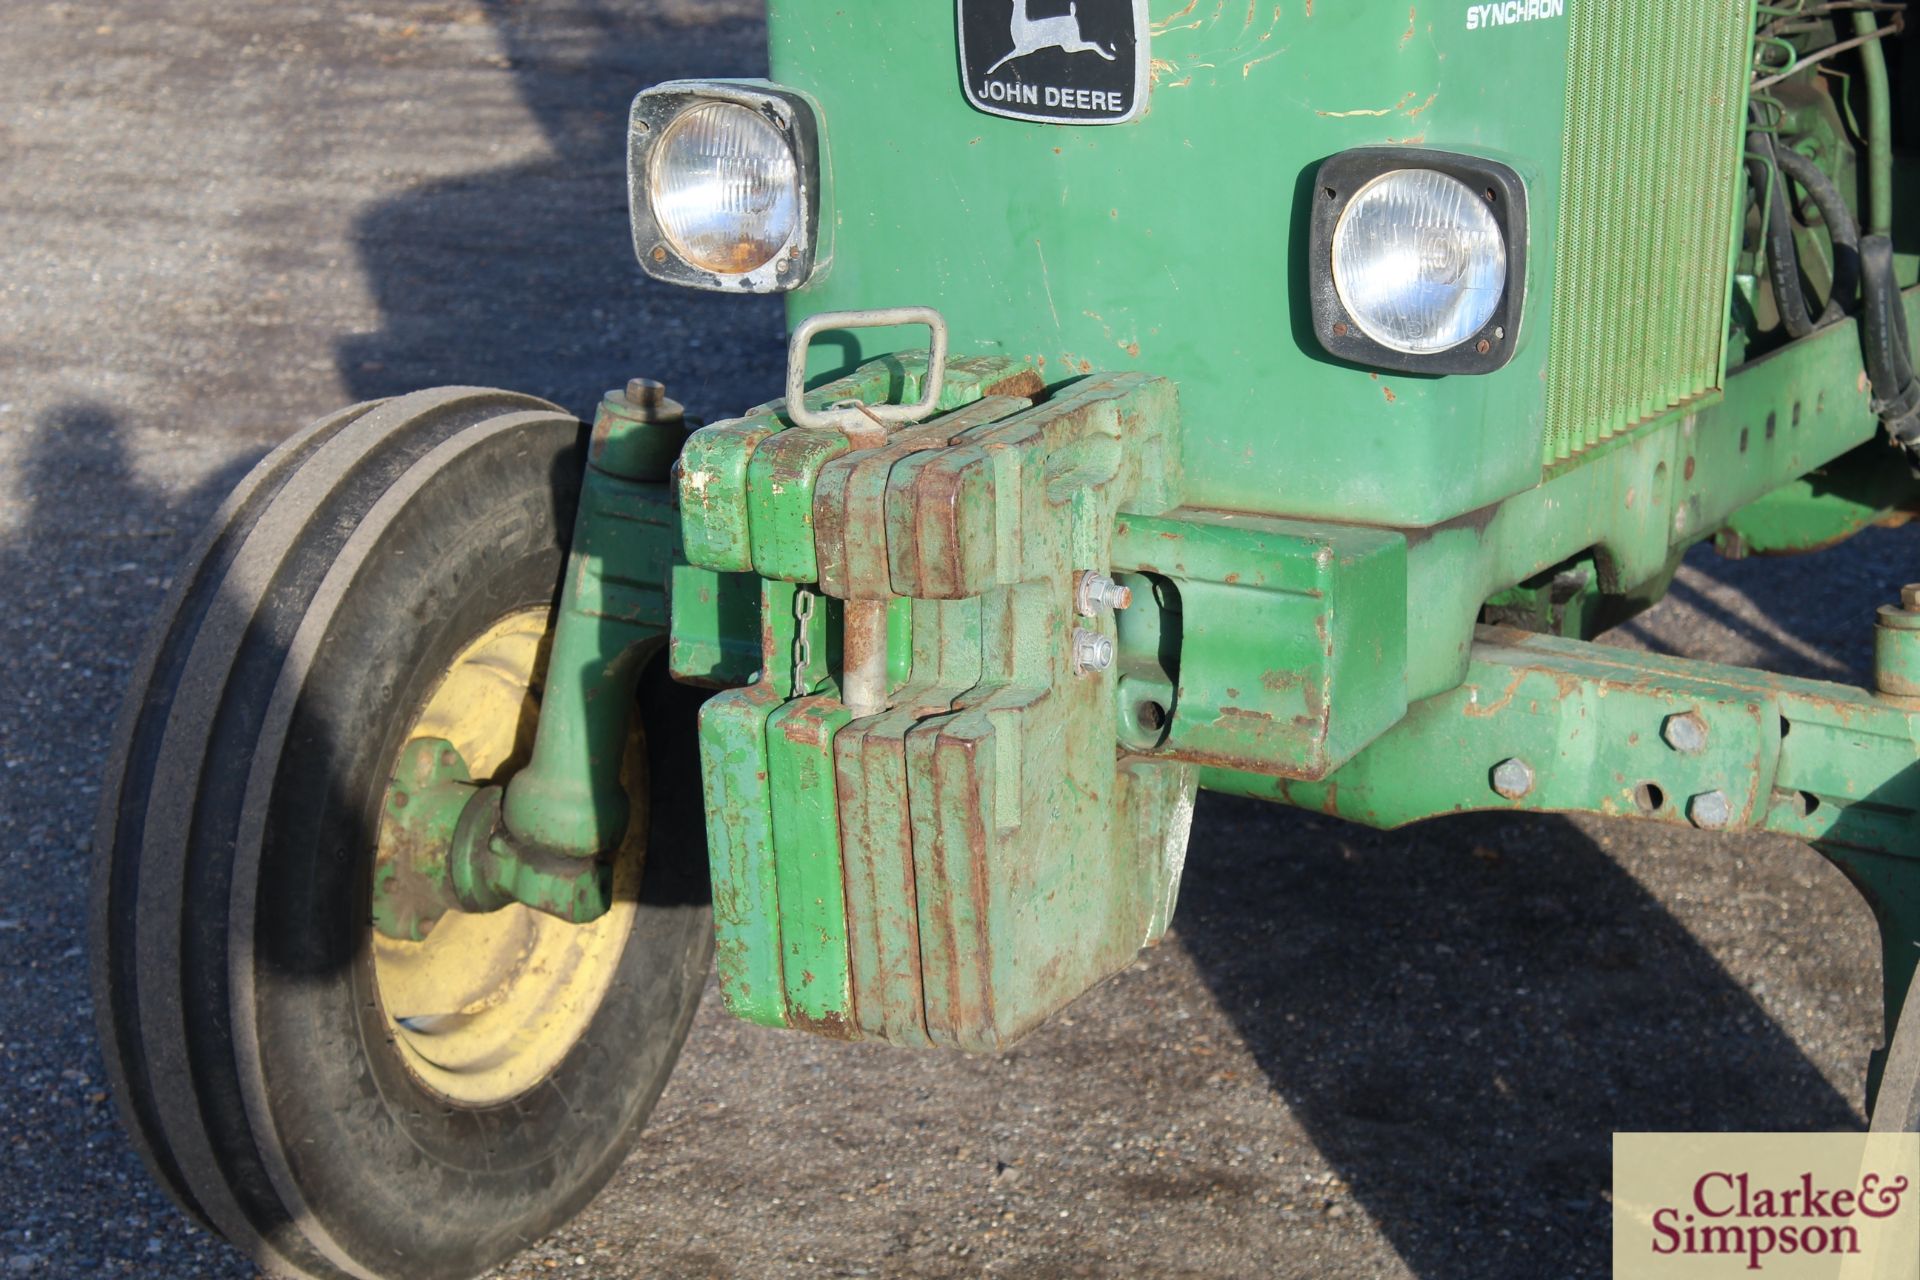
1783 261
1843 229
1896 394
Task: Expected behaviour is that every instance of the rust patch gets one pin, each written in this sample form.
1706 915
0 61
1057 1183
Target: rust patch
1495 708
832 1024
1022 383
1388 393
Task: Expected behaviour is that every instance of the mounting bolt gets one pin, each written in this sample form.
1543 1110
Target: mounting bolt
1910 597
1096 593
1685 733
1092 651
1513 778
1710 810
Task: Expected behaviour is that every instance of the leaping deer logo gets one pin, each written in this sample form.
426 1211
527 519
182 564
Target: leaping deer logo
1031 35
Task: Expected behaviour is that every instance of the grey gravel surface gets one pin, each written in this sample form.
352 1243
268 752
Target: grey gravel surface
1361 1055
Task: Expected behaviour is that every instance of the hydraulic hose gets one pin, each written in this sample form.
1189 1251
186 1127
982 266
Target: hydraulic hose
1842 230
1783 261
1896 393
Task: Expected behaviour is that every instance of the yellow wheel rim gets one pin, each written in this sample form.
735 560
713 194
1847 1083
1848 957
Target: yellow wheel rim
487 1005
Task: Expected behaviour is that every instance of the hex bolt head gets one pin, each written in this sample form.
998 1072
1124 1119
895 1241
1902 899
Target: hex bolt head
1097 593
1910 597
1685 732
645 393
1710 810
1092 651
1513 778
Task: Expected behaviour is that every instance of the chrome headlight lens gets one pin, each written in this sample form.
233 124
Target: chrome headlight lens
724 185
1418 259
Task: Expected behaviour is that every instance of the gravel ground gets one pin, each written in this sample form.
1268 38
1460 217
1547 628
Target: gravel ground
1361 1055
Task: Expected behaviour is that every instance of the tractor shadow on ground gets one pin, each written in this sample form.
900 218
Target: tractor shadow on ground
88 564
524 277
1461 1013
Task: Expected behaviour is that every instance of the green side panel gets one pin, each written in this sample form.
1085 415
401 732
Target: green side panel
1655 95
813 910
1175 243
746 896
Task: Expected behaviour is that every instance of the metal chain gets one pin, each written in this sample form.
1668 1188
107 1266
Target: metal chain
803 638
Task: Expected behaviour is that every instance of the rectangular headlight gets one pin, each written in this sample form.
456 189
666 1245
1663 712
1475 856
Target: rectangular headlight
1419 259
723 181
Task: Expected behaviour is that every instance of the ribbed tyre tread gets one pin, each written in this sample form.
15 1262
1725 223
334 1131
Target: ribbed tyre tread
130 767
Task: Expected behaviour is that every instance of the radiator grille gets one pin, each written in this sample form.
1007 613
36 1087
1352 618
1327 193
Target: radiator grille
1655 93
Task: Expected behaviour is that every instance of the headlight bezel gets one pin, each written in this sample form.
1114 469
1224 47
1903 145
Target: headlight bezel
1342 177
793 116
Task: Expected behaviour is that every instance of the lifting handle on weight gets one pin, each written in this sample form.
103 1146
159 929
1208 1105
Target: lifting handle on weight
862 420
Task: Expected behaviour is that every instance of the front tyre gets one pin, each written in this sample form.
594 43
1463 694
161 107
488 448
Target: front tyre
336 1103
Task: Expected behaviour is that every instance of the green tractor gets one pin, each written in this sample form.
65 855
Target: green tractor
1270 398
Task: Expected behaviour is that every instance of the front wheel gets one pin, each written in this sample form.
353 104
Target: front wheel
335 1102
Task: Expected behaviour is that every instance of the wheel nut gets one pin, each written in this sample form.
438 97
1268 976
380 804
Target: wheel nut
1513 778
1098 593
1685 733
1092 651
1710 810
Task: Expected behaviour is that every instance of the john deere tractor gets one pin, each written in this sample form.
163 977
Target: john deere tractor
1276 399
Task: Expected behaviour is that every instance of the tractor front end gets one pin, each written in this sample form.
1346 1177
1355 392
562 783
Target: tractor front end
1354 337
1276 400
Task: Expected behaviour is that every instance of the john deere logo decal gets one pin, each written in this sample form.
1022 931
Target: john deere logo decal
1059 61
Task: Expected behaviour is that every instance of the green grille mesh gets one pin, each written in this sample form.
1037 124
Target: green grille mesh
1655 93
